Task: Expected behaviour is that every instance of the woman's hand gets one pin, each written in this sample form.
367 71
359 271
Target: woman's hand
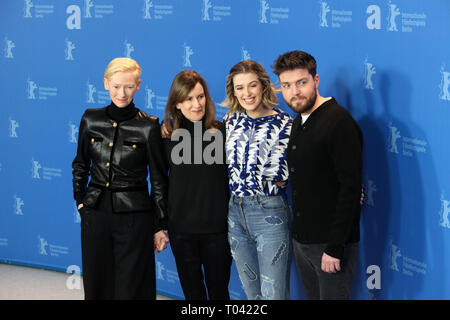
80 206
160 241
164 132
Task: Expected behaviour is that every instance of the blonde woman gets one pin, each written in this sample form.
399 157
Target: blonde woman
121 224
259 217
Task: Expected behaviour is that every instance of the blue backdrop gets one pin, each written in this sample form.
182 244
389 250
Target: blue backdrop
387 62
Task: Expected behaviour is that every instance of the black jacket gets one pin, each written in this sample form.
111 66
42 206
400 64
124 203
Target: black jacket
325 162
117 156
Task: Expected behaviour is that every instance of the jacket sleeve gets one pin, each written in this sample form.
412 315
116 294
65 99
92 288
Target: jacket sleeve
82 163
158 176
346 152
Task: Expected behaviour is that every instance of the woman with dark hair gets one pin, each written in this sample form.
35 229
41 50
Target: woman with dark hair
257 136
198 189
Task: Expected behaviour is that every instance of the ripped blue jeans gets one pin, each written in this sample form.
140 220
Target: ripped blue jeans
261 245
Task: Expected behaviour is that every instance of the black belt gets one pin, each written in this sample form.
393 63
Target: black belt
124 189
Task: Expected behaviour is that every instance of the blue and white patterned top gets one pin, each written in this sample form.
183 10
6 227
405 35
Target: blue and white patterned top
256 152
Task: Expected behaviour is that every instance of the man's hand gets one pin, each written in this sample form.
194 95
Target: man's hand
80 206
160 241
330 264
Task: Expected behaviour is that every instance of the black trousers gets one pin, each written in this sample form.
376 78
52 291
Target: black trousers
117 253
320 285
210 251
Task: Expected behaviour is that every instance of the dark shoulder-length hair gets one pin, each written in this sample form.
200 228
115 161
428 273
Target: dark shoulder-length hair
183 83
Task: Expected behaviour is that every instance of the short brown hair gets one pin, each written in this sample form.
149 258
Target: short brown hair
295 60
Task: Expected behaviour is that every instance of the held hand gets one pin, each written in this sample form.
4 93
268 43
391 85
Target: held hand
164 132
80 206
361 200
280 183
160 241
330 264
163 243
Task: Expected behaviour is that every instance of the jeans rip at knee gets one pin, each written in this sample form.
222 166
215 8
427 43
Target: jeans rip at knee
267 287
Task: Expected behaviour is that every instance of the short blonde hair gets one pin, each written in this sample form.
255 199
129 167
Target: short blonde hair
123 65
269 97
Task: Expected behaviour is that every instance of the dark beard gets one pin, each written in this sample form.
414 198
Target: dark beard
307 106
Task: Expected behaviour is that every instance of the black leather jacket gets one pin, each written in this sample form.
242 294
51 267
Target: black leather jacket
117 156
